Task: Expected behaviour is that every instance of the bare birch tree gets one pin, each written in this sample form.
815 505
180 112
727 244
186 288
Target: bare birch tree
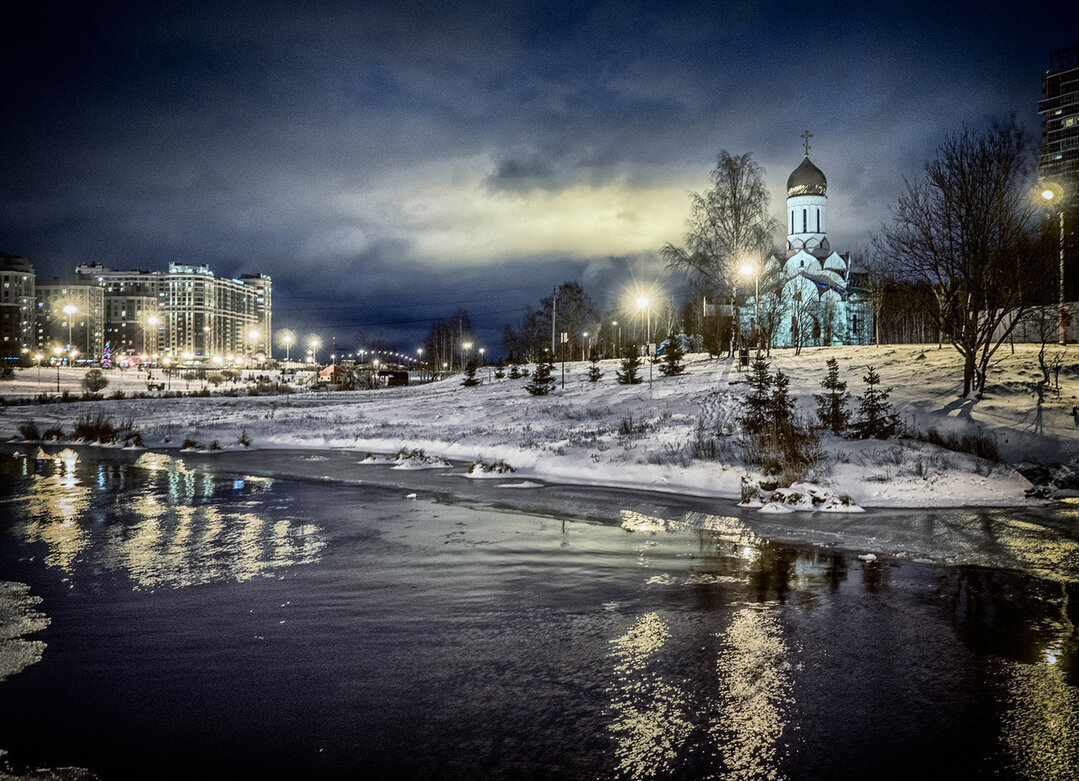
728 222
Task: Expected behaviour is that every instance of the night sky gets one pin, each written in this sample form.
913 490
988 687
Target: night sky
388 163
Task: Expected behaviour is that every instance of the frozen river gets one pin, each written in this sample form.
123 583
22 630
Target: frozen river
244 615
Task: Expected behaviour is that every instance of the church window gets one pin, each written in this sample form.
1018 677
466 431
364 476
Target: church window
818 220
792 221
803 220
854 323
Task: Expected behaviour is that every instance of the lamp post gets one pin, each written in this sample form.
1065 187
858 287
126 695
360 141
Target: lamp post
751 269
58 351
644 303
617 346
468 351
314 345
38 357
1052 194
287 339
151 322
69 310
589 348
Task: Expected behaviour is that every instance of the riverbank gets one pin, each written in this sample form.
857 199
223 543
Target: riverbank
676 435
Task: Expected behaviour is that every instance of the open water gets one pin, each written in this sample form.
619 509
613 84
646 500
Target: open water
198 617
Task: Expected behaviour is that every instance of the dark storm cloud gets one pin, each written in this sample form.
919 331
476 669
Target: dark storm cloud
427 148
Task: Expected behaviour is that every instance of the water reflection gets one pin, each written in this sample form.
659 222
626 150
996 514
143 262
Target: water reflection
19 617
650 723
754 673
156 520
1040 729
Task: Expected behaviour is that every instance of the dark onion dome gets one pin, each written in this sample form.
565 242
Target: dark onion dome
806 179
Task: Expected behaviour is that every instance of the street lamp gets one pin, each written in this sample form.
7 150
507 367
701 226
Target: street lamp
57 351
38 357
314 344
751 269
287 339
617 345
151 322
589 343
69 310
468 350
645 303
1053 195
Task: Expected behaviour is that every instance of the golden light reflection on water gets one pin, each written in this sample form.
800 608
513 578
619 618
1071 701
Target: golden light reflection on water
169 531
1041 727
649 723
754 672
55 503
19 617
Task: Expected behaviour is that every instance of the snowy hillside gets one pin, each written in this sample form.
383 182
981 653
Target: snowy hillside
679 435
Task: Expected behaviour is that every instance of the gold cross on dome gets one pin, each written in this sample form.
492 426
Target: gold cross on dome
807 135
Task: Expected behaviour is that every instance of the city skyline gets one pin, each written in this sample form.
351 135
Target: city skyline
413 161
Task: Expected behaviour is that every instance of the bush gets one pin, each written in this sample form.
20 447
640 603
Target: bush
99 429
53 434
132 439
94 381
29 431
118 394
190 444
244 439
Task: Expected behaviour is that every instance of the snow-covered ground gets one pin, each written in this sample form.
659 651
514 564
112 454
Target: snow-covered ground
676 435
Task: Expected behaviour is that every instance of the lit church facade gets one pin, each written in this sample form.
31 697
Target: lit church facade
809 296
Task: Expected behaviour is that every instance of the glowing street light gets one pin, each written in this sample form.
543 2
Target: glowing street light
1053 195
69 310
288 339
314 344
468 350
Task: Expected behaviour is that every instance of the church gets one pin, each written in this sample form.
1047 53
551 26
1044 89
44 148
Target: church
808 295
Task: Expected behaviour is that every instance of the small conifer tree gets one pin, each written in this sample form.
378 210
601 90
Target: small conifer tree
672 358
875 416
515 369
631 363
593 370
755 417
832 405
542 380
500 370
470 374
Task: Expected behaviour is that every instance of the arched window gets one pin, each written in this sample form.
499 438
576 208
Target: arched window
792 220
818 220
803 220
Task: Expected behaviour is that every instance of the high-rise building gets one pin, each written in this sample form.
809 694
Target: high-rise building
16 306
1058 164
187 314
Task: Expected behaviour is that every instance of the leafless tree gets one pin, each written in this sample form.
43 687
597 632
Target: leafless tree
968 230
728 222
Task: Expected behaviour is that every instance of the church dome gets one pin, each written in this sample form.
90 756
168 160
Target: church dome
806 179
